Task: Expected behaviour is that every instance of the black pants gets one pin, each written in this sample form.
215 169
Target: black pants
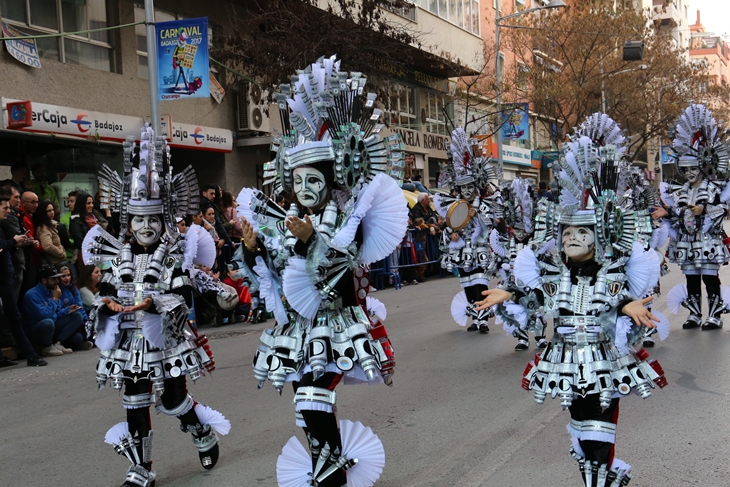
694 286
589 409
321 425
12 315
175 393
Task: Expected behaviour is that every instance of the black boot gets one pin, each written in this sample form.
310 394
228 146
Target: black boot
714 313
694 304
206 441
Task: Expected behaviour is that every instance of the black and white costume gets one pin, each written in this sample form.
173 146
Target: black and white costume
150 352
696 210
602 266
343 174
470 216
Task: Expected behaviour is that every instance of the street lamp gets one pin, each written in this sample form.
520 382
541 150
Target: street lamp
497 20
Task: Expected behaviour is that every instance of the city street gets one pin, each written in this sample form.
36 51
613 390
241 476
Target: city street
455 416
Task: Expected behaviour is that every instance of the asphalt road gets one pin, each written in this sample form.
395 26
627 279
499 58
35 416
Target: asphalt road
456 415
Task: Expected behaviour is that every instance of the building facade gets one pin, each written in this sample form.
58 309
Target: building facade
92 91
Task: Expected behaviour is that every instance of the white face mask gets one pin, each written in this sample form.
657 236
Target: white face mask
692 174
309 186
146 229
578 242
467 191
520 234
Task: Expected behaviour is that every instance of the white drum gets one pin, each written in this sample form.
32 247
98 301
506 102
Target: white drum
457 217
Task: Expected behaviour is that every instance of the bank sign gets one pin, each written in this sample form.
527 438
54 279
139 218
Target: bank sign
182 59
111 127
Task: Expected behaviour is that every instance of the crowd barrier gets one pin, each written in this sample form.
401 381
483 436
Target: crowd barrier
418 248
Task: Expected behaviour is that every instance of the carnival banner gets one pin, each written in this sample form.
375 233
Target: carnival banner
515 124
182 59
24 50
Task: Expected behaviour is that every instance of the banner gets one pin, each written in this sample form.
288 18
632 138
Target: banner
24 50
182 59
667 157
515 124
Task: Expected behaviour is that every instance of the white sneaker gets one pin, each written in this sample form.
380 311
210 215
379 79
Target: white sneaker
51 351
62 348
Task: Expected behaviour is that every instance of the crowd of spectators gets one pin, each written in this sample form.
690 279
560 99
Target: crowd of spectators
46 290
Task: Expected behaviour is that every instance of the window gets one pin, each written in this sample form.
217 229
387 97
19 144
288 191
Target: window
401 106
432 113
93 50
141 31
463 13
522 75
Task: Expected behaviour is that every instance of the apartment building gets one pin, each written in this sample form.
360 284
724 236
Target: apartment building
92 91
711 50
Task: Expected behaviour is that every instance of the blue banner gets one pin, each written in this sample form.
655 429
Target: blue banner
182 59
667 157
515 121
24 50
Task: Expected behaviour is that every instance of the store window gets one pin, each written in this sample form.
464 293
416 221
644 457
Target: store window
141 31
464 13
432 113
36 17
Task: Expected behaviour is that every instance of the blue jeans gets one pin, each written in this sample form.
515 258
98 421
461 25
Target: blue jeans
67 330
41 334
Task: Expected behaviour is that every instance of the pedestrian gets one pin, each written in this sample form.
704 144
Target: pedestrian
65 220
28 206
40 184
54 326
230 215
7 292
19 175
52 251
544 191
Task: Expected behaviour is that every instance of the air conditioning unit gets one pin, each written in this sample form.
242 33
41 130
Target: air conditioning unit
251 110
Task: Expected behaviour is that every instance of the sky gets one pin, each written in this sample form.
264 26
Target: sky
714 15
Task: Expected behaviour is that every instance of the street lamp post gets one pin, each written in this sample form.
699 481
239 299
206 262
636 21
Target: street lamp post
149 11
497 20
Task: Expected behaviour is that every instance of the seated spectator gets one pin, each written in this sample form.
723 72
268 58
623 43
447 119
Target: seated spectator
419 185
423 209
55 328
70 294
52 251
240 313
89 290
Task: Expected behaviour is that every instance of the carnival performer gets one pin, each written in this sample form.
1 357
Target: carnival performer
349 213
470 215
140 316
696 210
519 215
596 293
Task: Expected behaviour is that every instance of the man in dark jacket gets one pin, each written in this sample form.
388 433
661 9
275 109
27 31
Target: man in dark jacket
10 306
423 209
208 200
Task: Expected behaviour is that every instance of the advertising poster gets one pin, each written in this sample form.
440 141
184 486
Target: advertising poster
24 50
182 59
515 126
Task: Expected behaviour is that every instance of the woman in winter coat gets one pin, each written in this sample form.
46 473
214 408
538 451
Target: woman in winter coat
47 234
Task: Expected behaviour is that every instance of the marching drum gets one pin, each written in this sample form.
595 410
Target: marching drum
457 217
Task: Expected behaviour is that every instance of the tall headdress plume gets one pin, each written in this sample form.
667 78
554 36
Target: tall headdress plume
699 141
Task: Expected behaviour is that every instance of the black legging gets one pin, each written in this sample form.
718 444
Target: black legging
589 408
694 286
321 425
474 292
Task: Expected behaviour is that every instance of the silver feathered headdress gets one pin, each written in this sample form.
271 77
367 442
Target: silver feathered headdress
150 188
327 117
699 141
466 166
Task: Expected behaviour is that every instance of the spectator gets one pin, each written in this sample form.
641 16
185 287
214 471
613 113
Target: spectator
70 294
40 184
422 209
230 215
7 289
51 325
89 290
62 230
28 207
19 174
208 224
182 225
10 228
241 312
52 251
103 213
544 192
418 185
65 220
82 218
211 198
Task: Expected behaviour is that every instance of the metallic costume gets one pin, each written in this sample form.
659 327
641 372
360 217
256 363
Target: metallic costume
696 210
328 330
590 362
150 352
465 242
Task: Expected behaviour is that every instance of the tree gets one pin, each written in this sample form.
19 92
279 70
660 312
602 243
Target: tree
575 66
275 38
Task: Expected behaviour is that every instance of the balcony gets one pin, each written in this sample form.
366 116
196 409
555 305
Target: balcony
666 13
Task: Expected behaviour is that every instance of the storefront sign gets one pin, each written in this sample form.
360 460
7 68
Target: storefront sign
24 50
216 90
516 155
20 114
182 59
425 141
203 138
85 124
